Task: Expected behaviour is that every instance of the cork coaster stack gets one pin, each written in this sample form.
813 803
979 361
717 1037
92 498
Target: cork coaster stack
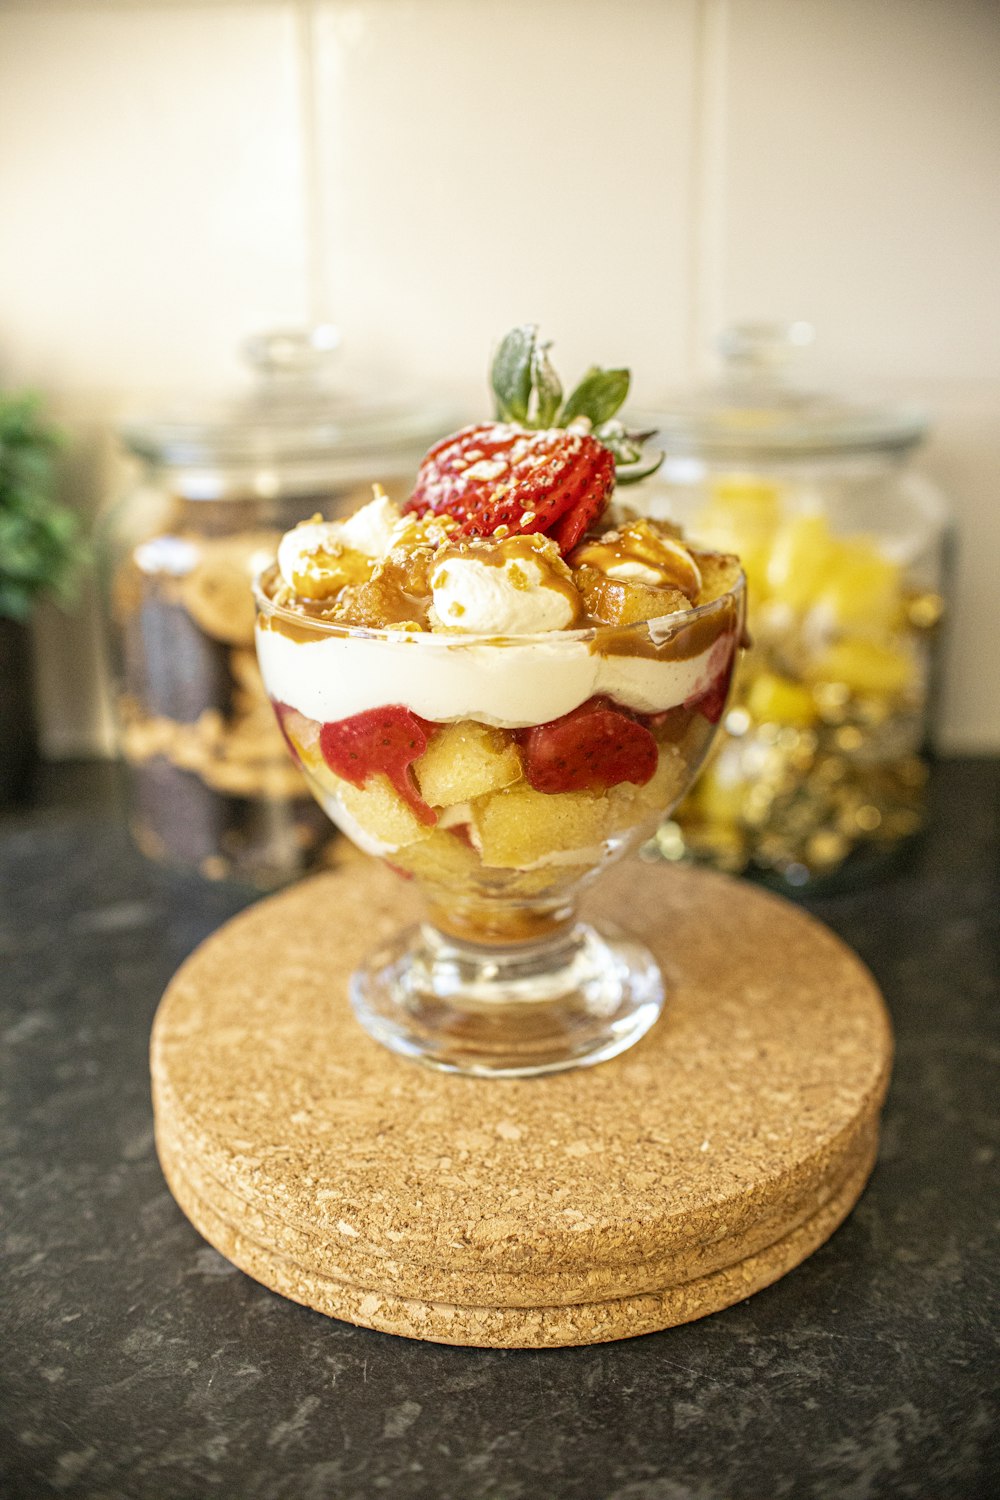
580 1207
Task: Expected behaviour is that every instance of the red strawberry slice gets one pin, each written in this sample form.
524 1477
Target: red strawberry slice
596 746
295 727
711 702
386 740
281 713
499 474
671 724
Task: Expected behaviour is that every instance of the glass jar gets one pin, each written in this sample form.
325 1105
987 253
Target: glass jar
213 787
821 768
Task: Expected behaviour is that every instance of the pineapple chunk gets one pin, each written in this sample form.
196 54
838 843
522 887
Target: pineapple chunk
378 809
802 558
741 516
865 667
442 859
614 601
779 700
464 761
863 591
518 825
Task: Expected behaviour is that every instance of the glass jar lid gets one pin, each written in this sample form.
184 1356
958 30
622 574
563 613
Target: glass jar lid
759 407
299 415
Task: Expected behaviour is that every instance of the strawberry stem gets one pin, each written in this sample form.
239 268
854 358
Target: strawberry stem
528 391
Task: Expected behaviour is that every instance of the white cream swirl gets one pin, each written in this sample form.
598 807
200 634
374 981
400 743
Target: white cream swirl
506 598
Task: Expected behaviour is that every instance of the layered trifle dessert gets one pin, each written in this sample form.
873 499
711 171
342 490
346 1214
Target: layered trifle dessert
504 684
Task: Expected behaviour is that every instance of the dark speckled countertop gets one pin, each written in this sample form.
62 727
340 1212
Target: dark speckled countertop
137 1363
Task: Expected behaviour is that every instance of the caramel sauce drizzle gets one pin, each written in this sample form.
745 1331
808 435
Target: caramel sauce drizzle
398 595
639 543
690 640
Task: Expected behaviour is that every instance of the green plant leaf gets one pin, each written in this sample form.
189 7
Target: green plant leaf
15 600
546 386
40 548
598 396
510 374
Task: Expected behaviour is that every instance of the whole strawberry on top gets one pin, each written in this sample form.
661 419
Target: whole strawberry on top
547 464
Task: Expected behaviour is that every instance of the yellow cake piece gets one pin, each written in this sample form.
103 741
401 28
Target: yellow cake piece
464 761
441 858
633 805
518 825
719 573
619 601
377 808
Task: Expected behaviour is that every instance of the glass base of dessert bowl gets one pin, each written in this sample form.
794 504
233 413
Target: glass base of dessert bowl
514 1011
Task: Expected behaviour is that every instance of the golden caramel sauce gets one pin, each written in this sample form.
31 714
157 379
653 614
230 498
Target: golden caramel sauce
301 634
498 923
329 569
638 544
699 635
398 596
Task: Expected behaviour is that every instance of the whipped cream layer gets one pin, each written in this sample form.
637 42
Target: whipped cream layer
511 685
512 599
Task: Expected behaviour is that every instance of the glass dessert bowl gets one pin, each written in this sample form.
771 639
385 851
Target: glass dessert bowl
499 714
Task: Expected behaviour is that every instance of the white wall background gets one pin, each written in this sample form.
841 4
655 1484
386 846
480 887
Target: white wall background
631 173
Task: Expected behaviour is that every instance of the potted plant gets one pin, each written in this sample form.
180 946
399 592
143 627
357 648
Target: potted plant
39 552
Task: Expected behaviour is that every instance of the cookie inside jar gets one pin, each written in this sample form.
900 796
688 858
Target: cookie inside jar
219 480
212 786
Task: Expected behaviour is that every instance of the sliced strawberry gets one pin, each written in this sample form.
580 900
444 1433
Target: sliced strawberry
711 701
386 740
671 725
574 523
281 713
596 746
499 474
300 734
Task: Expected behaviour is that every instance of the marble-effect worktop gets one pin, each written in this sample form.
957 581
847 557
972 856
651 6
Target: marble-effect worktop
137 1363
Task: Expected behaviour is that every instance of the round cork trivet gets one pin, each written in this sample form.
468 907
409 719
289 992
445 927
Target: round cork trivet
597 1204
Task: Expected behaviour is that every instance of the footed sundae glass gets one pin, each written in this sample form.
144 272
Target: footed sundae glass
502 775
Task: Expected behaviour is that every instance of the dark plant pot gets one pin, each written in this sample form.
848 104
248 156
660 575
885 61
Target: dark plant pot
18 726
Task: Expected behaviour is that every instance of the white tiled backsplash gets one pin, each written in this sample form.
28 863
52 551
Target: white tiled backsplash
630 173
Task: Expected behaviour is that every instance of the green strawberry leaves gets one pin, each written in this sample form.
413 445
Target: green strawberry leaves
526 387
528 391
511 375
547 385
632 459
597 397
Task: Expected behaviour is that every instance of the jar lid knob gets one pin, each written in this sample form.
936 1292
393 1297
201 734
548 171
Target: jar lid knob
763 348
293 351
